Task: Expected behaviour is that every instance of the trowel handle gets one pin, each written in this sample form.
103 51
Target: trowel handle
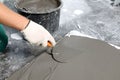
49 44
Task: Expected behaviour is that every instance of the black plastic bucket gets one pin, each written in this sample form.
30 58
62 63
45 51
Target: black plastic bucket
43 12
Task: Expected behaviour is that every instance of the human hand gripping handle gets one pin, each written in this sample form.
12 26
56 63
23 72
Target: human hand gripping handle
38 35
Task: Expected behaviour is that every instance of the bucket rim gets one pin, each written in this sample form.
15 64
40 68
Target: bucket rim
28 12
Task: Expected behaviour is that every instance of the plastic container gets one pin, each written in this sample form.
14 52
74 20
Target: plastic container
3 39
44 12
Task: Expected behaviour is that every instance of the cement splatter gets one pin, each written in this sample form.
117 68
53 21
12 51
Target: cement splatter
16 36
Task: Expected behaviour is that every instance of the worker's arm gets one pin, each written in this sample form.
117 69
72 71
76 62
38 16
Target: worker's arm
33 32
12 19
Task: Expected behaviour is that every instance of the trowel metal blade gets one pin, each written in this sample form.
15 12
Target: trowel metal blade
61 52
38 50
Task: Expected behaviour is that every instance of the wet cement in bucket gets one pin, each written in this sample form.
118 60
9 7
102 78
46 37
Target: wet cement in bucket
38 6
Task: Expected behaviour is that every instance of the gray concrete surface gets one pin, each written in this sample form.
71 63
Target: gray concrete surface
96 18
81 61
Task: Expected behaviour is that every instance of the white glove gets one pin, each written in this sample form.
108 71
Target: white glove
37 34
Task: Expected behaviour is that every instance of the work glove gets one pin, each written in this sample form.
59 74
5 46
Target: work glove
37 34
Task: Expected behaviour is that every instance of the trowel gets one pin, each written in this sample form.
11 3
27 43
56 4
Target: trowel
62 51
38 50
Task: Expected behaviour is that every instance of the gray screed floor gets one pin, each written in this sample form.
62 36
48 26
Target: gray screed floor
97 18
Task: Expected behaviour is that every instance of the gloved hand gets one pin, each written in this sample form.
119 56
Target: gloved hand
37 34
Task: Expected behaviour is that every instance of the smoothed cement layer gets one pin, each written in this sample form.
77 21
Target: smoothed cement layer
86 59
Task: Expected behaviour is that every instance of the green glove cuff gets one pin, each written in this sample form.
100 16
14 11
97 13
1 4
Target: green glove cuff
3 39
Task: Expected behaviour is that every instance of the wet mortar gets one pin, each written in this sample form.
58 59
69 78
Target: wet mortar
96 18
38 6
